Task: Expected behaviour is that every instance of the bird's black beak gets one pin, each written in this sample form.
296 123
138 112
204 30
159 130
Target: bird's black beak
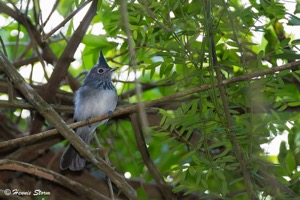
113 69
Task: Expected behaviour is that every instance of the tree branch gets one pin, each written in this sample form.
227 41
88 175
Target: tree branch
229 124
164 188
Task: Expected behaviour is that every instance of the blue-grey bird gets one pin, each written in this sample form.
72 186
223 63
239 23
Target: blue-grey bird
97 96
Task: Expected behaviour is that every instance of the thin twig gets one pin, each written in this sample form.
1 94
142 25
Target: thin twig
3 46
24 105
111 191
132 63
51 12
99 146
165 189
16 46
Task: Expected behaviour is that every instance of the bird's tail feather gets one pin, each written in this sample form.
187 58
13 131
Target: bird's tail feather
71 158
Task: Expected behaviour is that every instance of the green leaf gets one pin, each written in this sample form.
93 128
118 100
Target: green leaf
294 20
296 42
228 158
141 193
196 159
204 184
154 65
135 34
236 181
294 104
96 41
285 42
297 9
280 81
287 55
282 108
275 114
224 189
221 155
220 174
192 171
290 162
277 104
296 75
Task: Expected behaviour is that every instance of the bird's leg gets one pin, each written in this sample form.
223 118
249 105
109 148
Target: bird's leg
110 112
75 120
87 119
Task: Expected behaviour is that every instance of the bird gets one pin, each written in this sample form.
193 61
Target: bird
97 96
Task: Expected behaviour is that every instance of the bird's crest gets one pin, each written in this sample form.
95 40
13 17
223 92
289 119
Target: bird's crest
102 62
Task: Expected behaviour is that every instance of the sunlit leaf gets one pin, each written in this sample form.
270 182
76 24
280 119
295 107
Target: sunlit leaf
290 162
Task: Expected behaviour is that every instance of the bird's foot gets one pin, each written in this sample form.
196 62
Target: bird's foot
88 119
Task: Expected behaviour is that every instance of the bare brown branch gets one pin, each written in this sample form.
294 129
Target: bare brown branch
164 188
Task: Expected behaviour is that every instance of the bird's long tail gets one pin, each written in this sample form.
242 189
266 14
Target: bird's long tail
71 158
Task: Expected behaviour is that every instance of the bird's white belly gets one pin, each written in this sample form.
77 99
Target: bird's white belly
96 105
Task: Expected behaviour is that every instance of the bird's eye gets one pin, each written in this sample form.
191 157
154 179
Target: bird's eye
100 71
